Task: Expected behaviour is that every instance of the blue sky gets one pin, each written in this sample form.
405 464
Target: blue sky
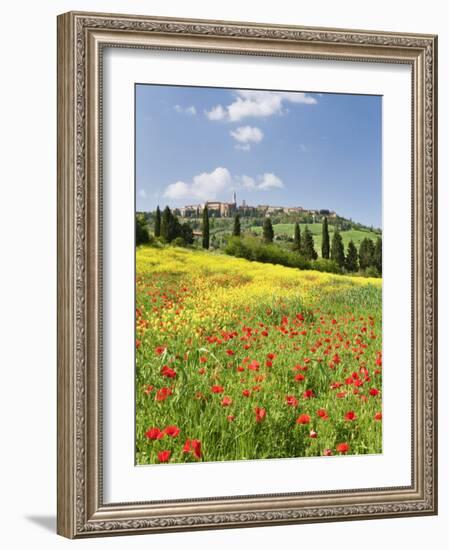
279 148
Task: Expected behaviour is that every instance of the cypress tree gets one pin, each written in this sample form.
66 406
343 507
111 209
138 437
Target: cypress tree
157 223
165 224
297 238
142 235
337 249
205 227
378 255
352 260
237 229
267 229
366 253
325 240
308 245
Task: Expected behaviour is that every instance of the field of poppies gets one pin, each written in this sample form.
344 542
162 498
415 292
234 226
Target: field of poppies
241 360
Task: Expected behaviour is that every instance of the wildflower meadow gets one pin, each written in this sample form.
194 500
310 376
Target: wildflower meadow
244 360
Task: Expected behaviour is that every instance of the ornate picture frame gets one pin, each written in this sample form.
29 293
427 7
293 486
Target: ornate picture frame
82 38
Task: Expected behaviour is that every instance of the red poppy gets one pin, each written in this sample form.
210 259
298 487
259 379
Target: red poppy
299 377
154 433
168 372
194 446
230 418
138 343
342 448
163 393
160 350
378 416
148 389
271 356
260 414
246 393
313 434
254 365
203 359
322 413
226 401
308 394
350 415
172 431
291 400
230 352
374 392
327 452
163 456
217 389
268 363
303 419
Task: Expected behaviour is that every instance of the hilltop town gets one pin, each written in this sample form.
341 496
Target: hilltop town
220 209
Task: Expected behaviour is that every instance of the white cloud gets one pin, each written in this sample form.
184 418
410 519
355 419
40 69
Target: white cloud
211 185
216 113
270 181
205 186
246 135
261 182
186 110
142 193
252 103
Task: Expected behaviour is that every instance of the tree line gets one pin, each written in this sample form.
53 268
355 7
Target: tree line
367 258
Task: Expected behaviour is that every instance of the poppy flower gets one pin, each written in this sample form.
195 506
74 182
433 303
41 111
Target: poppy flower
168 372
374 392
192 446
160 350
246 393
322 413
327 452
154 433
172 431
350 415
217 389
378 416
226 401
303 419
271 356
308 394
148 389
299 377
291 400
254 365
313 434
138 343
342 448
163 393
163 456
260 414
230 352
230 418
203 359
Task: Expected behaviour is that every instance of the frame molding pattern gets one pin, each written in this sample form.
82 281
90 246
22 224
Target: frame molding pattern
81 514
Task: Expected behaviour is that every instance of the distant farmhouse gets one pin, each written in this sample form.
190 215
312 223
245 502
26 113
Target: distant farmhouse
219 209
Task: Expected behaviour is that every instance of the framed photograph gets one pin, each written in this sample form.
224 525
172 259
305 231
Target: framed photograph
247 282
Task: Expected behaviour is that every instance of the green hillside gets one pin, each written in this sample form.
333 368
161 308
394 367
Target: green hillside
287 229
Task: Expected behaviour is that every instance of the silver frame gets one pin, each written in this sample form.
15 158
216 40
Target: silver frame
81 40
